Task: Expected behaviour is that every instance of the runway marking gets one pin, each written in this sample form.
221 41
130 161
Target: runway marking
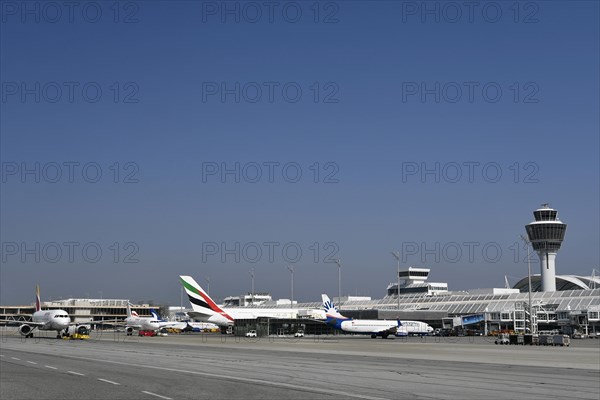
75 373
157 395
31 362
303 388
49 366
15 358
107 381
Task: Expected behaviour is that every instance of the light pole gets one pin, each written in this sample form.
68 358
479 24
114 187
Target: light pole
397 256
181 299
291 269
527 243
251 272
338 262
208 285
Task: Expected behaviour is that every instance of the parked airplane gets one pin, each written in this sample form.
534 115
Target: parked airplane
185 326
134 321
373 327
206 310
48 320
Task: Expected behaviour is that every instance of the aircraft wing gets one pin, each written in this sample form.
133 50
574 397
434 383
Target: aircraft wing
15 322
196 314
168 324
392 330
104 322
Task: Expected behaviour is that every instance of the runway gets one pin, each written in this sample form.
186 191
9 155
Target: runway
217 366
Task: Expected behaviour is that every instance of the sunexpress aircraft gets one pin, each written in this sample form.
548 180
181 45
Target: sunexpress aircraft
373 327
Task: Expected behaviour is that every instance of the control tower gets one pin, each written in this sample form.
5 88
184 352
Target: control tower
546 234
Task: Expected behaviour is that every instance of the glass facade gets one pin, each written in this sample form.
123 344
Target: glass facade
546 236
545 215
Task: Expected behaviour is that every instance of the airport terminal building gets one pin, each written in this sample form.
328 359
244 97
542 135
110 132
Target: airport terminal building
567 303
564 302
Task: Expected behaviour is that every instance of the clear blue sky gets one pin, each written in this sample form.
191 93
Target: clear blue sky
367 70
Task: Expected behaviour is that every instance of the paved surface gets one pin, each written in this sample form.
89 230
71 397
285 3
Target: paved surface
215 366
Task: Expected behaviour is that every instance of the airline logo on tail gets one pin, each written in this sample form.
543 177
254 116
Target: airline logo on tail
38 302
330 311
154 314
129 312
200 299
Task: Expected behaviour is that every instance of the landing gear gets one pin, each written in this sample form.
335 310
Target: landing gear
373 336
384 336
59 336
29 336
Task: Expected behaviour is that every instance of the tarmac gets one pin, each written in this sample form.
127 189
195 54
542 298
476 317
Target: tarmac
214 366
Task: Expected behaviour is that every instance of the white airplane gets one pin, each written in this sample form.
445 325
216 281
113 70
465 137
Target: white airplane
206 310
373 327
185 326
48 320
134 321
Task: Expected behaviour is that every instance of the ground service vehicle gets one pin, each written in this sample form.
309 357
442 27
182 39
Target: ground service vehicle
502 339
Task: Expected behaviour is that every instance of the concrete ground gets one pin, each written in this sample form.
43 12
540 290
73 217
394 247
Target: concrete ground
201 366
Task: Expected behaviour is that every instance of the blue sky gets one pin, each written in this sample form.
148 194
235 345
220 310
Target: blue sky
379 103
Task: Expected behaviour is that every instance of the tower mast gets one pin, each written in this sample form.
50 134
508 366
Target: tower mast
546 235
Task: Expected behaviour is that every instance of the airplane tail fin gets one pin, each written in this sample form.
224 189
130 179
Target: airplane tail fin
330 310
38 302
200 300
154 314
129 310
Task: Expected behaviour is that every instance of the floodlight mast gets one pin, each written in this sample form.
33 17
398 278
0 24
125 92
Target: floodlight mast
338 262
528 244
251 272
291 269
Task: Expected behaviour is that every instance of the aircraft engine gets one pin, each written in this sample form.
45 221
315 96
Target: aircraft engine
129 331
25 330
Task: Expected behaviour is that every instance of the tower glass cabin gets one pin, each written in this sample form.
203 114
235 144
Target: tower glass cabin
546 235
